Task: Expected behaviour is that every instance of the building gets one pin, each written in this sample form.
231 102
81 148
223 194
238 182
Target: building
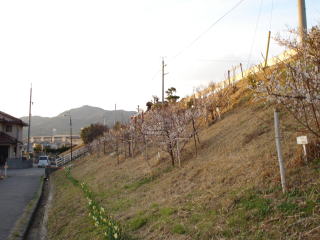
56 140
10 137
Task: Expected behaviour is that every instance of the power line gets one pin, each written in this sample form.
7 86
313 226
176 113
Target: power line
220 60
208 29
255 33
271 15
156 74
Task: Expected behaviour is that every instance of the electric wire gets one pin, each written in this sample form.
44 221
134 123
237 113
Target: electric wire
220 60
255 33
208 29
156 74
271 15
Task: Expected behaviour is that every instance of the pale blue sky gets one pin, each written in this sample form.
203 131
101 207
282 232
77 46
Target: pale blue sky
104 52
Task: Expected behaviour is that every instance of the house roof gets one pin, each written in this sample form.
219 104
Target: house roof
6 139
6 118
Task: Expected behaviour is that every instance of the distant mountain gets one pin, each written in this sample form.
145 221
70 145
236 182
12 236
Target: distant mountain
81 117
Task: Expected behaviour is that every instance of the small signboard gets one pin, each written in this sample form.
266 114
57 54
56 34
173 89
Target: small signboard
302 140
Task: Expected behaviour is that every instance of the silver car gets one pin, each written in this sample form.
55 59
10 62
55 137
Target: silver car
43 161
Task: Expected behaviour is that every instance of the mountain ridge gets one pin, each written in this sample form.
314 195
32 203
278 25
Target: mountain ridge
81 117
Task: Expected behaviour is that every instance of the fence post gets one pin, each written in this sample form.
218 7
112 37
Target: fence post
279 151
241 70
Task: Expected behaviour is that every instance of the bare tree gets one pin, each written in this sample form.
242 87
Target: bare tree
168 124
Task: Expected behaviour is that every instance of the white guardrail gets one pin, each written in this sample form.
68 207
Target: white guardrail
67 157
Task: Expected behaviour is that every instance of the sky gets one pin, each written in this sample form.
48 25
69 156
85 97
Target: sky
103 52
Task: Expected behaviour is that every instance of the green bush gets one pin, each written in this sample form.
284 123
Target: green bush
137 222
179 228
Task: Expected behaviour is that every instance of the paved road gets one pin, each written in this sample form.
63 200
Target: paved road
16 192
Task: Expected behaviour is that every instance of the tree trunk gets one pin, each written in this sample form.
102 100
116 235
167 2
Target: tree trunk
171 153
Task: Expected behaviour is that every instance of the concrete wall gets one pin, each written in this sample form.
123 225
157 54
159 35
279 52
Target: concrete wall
19 163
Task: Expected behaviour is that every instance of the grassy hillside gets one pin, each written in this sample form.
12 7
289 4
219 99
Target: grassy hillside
230 190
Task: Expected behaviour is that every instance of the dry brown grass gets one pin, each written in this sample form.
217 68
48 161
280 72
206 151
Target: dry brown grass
237 153
68 216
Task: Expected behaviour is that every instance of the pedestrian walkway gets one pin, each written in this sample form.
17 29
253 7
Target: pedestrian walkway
16 191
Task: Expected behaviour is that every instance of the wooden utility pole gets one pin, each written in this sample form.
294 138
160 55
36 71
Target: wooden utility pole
29 127
302 19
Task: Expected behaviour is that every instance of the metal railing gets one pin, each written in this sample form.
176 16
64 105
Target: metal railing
67 158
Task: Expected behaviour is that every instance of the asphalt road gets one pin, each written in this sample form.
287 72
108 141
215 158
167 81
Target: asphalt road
16 192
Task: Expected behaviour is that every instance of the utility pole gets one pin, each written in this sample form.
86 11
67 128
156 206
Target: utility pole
70 125
163 80
163 74
30 103
302 19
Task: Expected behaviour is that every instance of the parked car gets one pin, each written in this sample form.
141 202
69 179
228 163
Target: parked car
43 161
53 161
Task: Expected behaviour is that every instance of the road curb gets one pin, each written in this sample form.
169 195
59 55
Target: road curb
23 224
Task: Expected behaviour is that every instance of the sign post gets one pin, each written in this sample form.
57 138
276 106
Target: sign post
303 140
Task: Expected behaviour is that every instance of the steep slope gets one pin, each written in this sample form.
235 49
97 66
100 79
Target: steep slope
81 117
230 190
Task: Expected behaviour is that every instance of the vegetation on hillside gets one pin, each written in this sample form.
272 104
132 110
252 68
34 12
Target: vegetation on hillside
227 185
168 126
295 84
92 132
